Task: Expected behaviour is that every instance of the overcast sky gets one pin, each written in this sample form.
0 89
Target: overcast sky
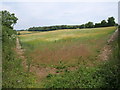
60 13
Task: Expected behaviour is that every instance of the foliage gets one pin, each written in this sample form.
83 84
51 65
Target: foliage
105 76
103 23
8 19
89 25
111 21
119 40
13 73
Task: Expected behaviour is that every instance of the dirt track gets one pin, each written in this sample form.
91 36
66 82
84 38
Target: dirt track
105 53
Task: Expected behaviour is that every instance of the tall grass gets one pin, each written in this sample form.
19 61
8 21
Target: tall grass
104 75
67 45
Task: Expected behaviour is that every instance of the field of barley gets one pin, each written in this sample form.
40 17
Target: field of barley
69 46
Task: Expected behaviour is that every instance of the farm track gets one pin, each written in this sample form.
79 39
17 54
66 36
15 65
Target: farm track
107 50
20 52
42 72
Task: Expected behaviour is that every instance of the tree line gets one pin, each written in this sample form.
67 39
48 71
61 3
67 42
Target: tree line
110 22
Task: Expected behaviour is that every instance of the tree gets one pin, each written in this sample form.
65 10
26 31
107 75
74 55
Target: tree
82 26
103 23
8 19
111 21
97 24
89 25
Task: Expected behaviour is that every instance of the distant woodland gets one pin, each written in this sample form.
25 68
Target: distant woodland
110 22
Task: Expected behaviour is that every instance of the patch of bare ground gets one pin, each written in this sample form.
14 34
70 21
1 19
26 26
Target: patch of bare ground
42 72
107 49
